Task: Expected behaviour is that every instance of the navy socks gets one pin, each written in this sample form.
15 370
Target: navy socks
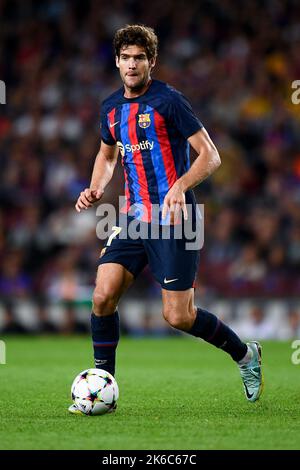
105 335
208 327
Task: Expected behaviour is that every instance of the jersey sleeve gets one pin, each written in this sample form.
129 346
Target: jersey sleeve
106 134
183 116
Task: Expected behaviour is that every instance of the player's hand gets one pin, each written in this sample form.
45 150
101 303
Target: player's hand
174 203
87 198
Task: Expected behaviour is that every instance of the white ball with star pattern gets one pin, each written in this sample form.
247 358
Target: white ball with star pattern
95 391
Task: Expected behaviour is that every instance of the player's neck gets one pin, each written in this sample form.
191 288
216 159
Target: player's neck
135 93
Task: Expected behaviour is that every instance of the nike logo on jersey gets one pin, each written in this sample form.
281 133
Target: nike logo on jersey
167 281
113 124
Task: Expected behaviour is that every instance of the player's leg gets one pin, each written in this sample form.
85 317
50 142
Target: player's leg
180 312
175 267
120 263
112 280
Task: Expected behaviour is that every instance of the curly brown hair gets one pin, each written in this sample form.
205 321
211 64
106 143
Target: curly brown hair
136 35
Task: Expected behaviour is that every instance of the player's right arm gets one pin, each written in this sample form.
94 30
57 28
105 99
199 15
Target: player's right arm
102 173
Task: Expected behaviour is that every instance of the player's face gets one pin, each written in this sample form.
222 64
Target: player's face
135 68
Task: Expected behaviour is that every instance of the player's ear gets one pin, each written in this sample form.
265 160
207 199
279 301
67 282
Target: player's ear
152 62
117 62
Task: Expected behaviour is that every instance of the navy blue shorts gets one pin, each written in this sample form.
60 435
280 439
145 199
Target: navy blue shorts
171 263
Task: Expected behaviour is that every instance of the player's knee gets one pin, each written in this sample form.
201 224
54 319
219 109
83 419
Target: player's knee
174 318
104 303
179 317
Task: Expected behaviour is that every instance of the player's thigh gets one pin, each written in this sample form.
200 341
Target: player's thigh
112 280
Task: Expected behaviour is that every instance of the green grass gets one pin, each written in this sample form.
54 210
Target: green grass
176 393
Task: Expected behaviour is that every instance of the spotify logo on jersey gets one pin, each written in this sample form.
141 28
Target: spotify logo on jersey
144 145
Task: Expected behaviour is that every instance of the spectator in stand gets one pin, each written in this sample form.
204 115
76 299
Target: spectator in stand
257 325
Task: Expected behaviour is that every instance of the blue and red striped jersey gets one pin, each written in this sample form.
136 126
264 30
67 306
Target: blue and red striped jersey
151 132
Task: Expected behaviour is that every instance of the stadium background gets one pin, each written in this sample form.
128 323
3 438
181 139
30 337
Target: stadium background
236 65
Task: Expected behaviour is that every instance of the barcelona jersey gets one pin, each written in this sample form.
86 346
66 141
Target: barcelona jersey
151 132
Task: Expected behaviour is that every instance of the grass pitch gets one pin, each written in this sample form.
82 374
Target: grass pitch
176 393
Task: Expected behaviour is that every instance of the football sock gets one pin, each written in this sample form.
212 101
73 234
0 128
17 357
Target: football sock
210 328
105 335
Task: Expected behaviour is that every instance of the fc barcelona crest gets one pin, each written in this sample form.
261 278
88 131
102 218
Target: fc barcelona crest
144 120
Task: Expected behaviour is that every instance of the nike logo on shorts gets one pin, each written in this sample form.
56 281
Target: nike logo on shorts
167 281
113 124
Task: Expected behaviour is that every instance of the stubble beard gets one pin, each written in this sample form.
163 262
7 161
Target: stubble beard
139 86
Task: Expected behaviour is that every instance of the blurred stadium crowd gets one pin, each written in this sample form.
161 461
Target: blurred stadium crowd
235 63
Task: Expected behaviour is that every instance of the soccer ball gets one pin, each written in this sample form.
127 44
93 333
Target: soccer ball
95 391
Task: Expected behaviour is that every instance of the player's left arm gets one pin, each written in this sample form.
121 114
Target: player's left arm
206 163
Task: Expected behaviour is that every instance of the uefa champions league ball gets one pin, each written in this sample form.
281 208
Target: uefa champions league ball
95 392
